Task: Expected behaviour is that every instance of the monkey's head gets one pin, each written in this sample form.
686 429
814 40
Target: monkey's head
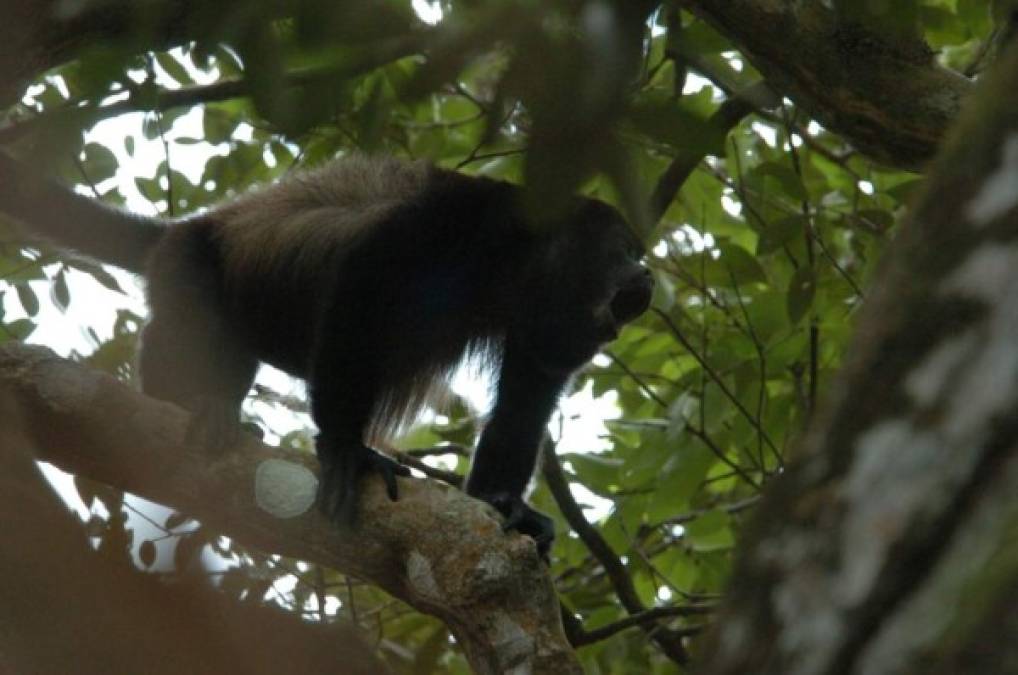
585 286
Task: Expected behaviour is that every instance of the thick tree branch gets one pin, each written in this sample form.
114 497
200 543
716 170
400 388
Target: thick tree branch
888 96
436 549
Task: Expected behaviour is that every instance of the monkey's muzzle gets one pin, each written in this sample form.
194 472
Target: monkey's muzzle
633 297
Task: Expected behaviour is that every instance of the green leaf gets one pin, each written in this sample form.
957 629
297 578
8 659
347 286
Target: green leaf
188 551
100 163
150 127
372 117
147 553
98 273
149 188
217 125
18 330
175 520
976 13
777 233
700 38
681 476
596 472
801 291
904 193
59 292
942 26
768 316
20 268
678 123
28 299
884 220
87 490
711 532
173 68
734 266
784 177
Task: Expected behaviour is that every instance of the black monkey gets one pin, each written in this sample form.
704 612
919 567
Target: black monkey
369 278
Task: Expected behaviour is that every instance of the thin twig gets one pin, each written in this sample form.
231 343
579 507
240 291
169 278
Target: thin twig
637 379
653 615
809 232
450 477
437 451
719 382
668 640
720 454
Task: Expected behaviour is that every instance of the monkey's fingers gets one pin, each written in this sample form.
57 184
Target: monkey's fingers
389 469
515 514
342 468
521 517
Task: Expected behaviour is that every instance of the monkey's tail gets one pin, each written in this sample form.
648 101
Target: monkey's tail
73 221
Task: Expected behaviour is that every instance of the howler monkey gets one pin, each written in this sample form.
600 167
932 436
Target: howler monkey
370 278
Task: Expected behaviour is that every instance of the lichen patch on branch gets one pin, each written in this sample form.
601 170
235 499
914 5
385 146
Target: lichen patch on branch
999 192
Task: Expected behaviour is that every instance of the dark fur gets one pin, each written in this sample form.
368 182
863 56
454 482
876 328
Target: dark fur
371 279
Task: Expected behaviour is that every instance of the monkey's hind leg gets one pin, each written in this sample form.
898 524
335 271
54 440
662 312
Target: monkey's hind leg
189 357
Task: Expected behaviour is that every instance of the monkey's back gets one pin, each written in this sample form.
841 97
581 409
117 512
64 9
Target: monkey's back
271 256
305 220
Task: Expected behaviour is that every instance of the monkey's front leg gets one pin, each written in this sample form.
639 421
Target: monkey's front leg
507 452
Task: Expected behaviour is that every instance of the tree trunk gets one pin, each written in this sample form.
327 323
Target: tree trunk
891 546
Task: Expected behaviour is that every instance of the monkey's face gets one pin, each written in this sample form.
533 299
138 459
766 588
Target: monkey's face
588 286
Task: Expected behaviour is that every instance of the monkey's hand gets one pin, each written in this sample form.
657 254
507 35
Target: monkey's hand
521 517
342 467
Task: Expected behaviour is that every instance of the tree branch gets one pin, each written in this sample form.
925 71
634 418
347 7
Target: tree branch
435 548
667 639
886 94
69 598
650 616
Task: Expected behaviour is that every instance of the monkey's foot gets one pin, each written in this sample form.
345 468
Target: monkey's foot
521 517
342 467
